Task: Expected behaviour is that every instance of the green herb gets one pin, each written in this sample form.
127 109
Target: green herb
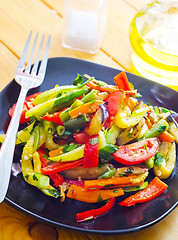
145 147
162 128
115 191
148 104
158 159
70 147
35 177
79 80
27 176
99 199
54 192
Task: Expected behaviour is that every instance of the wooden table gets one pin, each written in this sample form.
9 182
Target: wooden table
17 18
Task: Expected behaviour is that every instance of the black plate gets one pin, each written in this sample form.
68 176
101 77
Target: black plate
31 201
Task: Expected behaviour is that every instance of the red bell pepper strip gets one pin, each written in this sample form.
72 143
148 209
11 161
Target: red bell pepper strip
137 152
122 82
60 166
154 189
57 179
114 100
54 117
44 160
94 213
80 137
28 104
91 152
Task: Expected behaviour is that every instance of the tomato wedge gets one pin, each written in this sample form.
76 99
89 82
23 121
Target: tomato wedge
137 152
28 104
154 189
80 137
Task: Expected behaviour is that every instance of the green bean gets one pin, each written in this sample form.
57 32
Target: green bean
60 130
77 122
49 128
157 129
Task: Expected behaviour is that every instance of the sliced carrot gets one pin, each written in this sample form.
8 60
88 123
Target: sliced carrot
107 88
167 137
80 194
85 108
122 82
110 182
55 152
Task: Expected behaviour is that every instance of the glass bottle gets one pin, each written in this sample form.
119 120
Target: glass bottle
154 39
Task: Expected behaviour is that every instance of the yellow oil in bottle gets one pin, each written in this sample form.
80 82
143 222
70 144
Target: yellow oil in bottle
154 39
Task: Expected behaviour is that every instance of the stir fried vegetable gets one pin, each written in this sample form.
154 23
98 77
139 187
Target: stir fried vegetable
93 142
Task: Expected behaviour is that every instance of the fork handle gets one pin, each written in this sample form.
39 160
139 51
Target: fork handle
8 146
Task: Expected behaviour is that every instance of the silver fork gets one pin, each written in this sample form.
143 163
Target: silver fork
28 78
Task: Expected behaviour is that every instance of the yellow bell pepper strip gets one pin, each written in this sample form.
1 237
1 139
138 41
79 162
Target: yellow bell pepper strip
91 152
154 189
22 136
164 162
122 82
86 108
122 119
95 124
92 185
80 194
95 213
70 156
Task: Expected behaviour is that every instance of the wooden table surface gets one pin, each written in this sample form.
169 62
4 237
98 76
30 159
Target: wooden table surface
17 18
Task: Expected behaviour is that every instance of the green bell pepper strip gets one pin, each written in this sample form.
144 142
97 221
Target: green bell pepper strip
122 119
52 93
69 156
55 104
157 129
